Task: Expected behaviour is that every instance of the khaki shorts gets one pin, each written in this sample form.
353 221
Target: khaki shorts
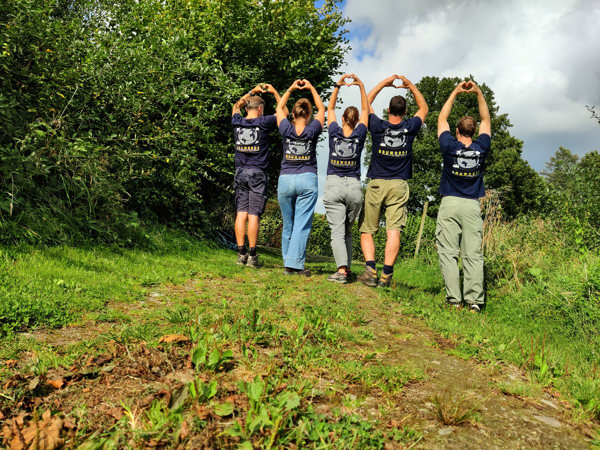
391 194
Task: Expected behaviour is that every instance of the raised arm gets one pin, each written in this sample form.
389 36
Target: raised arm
320 116
237 107
485 126
281 112
365 106
271 90
333 100
388 82
443 125
421 103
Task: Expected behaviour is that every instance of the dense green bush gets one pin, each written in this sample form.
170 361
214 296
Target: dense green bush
572 197
319 242
116 112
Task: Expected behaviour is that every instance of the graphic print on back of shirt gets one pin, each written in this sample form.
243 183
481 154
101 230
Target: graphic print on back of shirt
344 150
297 150
247 139
393 143
467 162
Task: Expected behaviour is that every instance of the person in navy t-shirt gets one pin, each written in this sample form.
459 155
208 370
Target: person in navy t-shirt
251 136
391 167
459 228
343 190
297 188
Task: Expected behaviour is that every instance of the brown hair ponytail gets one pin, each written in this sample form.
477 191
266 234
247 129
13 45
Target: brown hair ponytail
302 108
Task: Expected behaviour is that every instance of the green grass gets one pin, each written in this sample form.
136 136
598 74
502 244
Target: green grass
275 361
542 309
259 336
56 286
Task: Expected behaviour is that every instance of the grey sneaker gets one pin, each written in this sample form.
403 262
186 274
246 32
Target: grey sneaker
242 259
338 277
252 261
368 277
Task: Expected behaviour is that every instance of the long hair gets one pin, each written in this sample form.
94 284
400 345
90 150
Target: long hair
302 108
351 116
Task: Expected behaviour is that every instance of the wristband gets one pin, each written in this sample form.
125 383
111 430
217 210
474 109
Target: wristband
336 85
250 92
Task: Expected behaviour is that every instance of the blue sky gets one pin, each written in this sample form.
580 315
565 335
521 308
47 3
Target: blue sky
540 57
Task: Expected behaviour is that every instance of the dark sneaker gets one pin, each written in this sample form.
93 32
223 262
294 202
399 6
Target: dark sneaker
385 281
368 277
242 259
252 261
338 277
475 308
302 273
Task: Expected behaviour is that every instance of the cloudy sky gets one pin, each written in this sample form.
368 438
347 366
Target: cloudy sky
540 57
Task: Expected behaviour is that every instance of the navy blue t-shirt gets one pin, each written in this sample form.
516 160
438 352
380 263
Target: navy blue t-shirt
251 138
392 148
345 152
462 173
299 152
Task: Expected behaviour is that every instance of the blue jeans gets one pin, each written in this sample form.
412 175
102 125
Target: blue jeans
297 195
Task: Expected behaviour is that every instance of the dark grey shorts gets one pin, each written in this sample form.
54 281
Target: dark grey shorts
250 190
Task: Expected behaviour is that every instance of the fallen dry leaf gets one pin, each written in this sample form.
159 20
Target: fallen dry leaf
11 363
202 412
174 338
42 435
184 432
56 384
116 413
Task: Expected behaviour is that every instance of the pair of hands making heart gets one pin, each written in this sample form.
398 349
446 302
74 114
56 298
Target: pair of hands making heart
349 79
405 82
301 84
467 86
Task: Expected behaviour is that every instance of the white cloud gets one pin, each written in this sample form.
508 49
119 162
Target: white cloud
539 57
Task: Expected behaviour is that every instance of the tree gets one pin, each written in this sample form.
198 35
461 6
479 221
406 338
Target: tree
593 112
573 195
122 109
560 170
519 185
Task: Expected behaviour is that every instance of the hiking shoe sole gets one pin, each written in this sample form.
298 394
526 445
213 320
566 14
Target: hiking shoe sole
337 277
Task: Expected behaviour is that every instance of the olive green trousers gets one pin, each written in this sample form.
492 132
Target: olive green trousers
459 232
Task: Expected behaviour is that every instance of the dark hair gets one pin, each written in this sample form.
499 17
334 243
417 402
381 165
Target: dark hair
397 106
255 102
302 108
350 116
467 126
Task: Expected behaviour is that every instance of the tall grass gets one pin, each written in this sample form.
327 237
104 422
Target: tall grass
542 305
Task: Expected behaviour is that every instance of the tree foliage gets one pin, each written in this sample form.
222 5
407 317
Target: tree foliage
120 110
573 193
519 186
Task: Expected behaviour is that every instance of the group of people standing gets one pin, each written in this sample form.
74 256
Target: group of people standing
459 227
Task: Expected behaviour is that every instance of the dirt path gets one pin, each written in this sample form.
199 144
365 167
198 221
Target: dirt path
123 372
504 421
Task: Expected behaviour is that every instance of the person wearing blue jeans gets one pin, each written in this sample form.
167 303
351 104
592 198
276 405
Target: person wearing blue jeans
297 189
